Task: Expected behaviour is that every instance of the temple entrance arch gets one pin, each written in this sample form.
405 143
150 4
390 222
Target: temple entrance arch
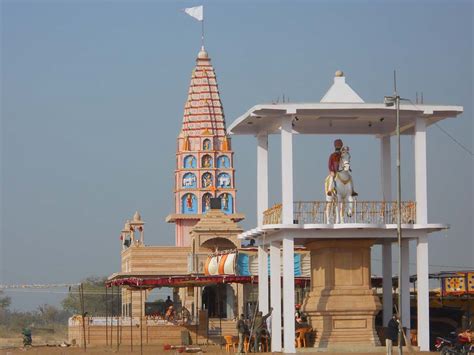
219 301
216 244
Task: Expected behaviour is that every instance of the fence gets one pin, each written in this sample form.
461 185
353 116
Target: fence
366 212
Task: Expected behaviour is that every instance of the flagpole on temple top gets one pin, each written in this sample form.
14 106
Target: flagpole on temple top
197 13
202 32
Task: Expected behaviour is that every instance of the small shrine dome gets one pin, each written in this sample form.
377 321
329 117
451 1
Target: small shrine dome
137 217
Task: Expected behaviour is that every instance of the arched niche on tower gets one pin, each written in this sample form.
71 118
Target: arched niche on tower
206 144
227 203
206 180
189 204
223 161
224 180
206 161
189 181
206 202
189 162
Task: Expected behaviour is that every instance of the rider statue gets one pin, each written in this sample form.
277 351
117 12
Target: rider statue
333 165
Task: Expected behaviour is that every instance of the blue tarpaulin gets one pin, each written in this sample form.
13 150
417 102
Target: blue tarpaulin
243 267
243 264
297 258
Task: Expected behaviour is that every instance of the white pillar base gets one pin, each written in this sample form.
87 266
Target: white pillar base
288 296
263 279
423 293
275 294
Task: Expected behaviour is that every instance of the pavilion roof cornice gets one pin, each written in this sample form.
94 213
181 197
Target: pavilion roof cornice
338 118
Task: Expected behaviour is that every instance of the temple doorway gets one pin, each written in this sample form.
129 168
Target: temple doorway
219 300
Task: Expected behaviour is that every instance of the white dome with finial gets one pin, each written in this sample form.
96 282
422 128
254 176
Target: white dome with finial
340 91
202 53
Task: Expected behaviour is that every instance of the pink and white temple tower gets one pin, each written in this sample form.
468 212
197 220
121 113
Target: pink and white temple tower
204 159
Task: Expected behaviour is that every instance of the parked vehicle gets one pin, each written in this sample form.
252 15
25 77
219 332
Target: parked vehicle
454 344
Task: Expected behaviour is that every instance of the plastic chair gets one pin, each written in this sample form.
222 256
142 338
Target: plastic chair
230 342
246 343
301 337
264 343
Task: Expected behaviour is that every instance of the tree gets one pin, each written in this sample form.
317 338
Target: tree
52 315
95 300
5 302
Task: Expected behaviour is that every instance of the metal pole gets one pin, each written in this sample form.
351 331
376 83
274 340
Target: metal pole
399 215
106 316
81 296
112 317
118 315
141 323
219 309
131 320
197 314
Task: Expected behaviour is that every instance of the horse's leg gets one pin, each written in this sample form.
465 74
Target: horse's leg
350 205
328 208
342 208
337 214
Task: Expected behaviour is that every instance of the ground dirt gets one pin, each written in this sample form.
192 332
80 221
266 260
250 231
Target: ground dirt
146 350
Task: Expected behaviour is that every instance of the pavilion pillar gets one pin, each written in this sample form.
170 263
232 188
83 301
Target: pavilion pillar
386 177
288 245
287 171
422 265
275 295
405 295
262 205
288 295
262 176
263 279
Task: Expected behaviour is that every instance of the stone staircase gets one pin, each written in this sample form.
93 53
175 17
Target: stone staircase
216 333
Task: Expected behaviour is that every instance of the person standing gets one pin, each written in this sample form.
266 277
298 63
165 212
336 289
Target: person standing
392 333
243 331
259 327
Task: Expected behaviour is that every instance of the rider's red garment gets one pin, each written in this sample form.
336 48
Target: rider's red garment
333 164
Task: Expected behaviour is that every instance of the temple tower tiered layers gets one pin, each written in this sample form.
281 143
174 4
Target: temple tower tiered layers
204 159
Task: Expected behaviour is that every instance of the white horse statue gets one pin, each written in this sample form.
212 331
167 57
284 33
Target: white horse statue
340 189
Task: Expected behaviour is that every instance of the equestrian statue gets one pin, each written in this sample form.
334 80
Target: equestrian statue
339 186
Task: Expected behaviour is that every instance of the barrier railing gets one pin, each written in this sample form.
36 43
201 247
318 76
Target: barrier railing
322 212
196 262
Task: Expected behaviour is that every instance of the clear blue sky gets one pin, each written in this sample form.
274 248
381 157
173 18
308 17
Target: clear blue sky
93 95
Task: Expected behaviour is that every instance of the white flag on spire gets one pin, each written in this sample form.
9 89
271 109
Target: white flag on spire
197 12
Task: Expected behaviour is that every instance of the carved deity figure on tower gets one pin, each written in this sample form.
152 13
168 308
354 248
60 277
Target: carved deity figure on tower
206 162
225 201
207 202
189 201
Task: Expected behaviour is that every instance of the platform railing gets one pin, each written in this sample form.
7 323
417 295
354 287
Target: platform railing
322 212
196 262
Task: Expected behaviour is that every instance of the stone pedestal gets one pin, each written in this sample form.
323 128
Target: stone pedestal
341 304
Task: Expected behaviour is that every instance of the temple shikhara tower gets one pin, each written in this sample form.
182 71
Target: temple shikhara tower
204 159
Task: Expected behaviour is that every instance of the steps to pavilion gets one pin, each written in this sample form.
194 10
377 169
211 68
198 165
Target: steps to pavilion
152 334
